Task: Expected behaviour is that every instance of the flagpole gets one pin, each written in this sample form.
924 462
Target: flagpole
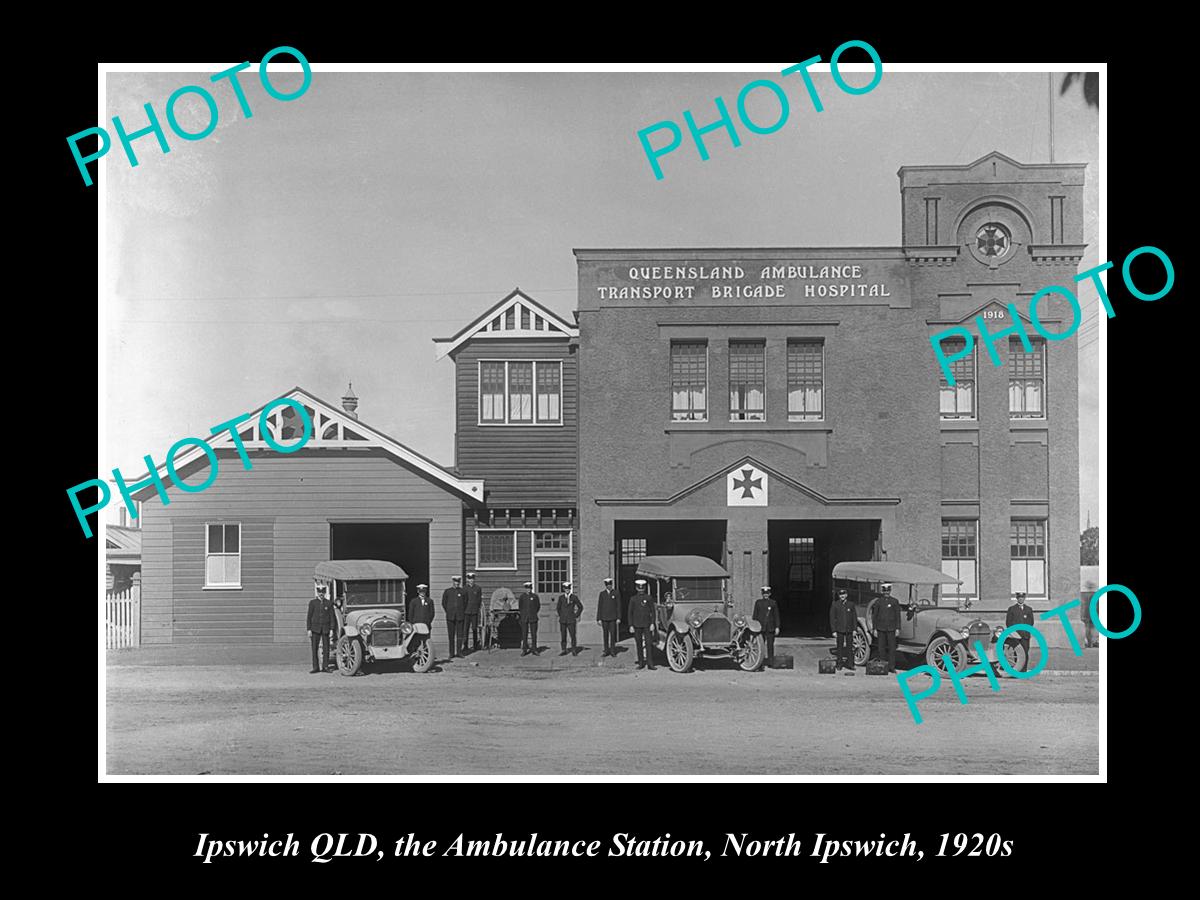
1050 106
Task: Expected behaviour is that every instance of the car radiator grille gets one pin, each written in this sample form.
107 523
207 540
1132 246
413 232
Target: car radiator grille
715 630
385 637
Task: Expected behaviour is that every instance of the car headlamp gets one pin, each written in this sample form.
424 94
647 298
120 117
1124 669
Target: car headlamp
406 627
965 633
739 620
694 619
365 630
996 634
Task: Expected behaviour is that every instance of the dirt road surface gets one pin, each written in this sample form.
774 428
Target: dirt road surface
264 719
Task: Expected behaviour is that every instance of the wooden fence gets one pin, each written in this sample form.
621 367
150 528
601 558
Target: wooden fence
123 616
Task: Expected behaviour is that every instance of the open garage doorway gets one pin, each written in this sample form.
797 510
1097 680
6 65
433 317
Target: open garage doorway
802 554
404 543
633 540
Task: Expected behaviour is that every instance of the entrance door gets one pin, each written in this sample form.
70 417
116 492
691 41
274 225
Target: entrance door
801 585
404 543
802 554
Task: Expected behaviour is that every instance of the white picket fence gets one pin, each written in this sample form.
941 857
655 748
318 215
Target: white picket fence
123 617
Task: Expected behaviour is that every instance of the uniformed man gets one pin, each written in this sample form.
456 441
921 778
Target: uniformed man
641 618
1019 613
420 609
887 621
568 608
766 612
529 605
454 602
607 612
321 621
474 608
844 620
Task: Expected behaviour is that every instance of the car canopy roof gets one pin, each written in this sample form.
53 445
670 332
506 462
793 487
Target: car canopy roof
892 571
359 569
680 567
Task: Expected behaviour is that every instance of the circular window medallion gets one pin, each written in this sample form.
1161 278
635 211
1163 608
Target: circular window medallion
993 242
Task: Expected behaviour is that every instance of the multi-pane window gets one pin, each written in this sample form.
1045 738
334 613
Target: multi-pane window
223 554
551 560
491 391
801 563
689 381
747 380
496 550
806 380
520 392
1028 551
958 402
549 393
960 556
633 551
1026 379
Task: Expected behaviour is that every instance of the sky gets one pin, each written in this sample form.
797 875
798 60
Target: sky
330 239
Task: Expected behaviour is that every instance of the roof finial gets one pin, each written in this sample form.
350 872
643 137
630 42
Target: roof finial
349 401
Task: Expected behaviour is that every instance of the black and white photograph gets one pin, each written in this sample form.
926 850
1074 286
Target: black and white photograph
667 421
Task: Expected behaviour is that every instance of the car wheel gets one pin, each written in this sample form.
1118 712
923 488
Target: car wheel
680 652
349 655
862 647
1016 654
422 659
753 654
940 645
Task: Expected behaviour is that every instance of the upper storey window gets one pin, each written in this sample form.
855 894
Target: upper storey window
520 392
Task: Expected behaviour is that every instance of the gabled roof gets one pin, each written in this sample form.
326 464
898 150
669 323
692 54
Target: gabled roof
515 316
333 428
993 155
774 473
122 537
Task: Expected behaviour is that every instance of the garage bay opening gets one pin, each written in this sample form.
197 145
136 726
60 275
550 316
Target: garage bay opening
802 553
404 543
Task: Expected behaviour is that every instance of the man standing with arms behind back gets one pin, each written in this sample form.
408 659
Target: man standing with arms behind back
474 607
607 612
321 620
529 605
454 602
641 619
843 618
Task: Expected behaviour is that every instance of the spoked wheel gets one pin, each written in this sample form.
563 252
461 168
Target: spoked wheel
1016 654
349 655
753 654
680 652
422 659
862 647
943 645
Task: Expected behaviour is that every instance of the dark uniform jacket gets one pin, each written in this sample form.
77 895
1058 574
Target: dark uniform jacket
568 607
887 614
454 602
420 612
607 607
320 615
474 598
1018 614
766 611
529 604
641 610
843 617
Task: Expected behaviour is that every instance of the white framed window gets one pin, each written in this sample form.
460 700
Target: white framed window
1026 379
960 556
689 381
747 381
958 402
1028 551
222 554
520 392
806 380
496 549
553 561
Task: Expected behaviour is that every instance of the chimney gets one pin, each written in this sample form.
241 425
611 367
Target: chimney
350 402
